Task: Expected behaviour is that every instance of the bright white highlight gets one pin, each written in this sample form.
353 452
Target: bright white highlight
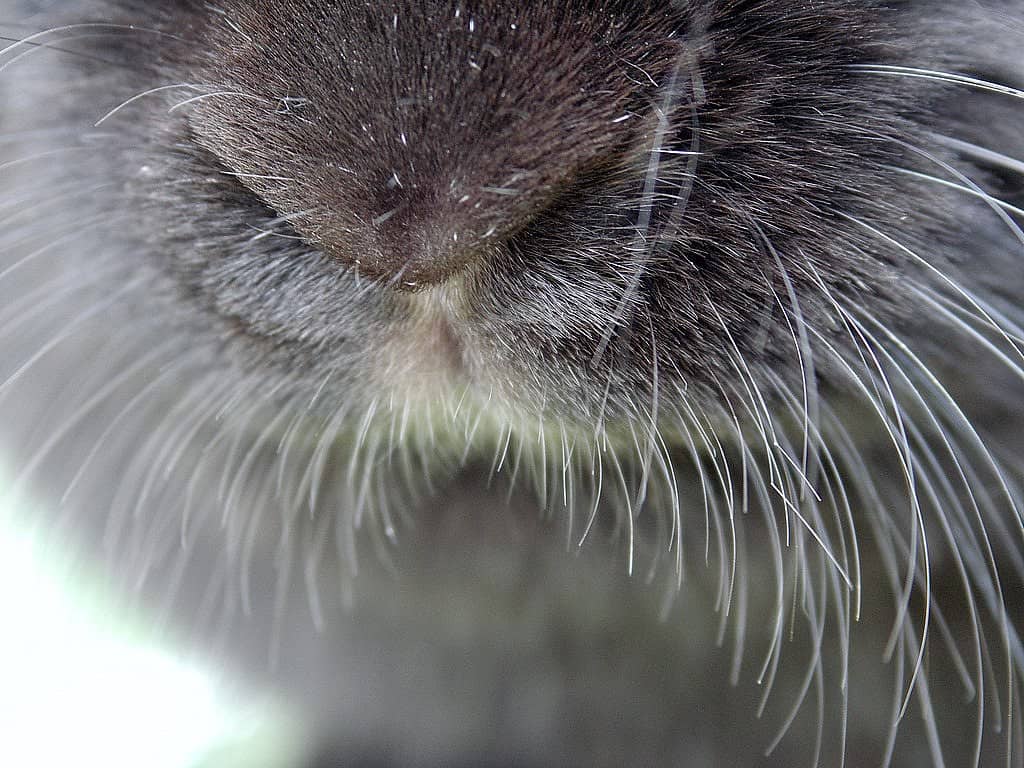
82 687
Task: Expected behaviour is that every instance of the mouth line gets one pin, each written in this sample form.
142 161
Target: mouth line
428 351
450 345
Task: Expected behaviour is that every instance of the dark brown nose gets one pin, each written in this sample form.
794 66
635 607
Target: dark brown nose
425 233
432 210
409 156
424 226
418 242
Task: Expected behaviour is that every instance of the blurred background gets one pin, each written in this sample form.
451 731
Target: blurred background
84 682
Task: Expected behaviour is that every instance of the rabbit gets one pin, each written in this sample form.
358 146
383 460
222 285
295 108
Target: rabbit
531 384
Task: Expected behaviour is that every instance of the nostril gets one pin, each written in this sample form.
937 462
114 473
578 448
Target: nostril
425 231
414 248
412 252
417 239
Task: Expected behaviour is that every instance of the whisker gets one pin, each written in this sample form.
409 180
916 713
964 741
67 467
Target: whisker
938 76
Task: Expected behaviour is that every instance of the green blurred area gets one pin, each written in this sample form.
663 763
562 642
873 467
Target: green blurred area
83 683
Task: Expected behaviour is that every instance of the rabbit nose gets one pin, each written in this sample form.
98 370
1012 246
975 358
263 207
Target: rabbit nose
411 157
425 234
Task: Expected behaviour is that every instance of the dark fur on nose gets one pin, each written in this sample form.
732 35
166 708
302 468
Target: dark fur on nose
453 142
429 223
425 232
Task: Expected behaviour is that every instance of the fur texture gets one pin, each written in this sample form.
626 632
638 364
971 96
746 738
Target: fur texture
532 383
